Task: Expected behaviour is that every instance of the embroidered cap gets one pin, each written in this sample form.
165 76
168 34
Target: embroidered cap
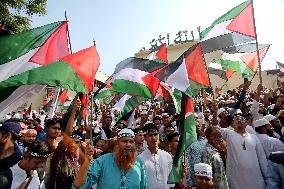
203 169
138 131
126 133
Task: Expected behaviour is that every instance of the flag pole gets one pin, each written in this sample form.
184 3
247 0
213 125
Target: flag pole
92 108
258 58
68 33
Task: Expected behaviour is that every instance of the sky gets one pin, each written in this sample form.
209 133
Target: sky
122 27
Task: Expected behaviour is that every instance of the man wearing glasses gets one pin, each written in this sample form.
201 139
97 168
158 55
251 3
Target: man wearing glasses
120 169
245 156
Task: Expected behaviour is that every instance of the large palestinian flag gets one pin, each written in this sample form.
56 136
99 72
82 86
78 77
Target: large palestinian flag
234 27
131 76
189 71
33 48
239 20
75 72
243 58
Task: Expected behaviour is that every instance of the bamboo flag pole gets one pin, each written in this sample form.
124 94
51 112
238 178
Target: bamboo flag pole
258 58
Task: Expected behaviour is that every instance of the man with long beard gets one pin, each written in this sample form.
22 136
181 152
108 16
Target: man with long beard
120 169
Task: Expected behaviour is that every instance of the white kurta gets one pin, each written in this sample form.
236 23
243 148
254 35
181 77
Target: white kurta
19 176
270 144
246 161
158 168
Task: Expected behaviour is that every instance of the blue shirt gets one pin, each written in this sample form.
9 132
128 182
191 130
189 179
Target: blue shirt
105 172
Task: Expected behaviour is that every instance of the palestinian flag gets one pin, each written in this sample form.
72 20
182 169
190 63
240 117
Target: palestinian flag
188 135
163 91
126 105
238 20
159 54
189 71
281 66
33 48
243 58
63 96
75 72
104 92
135 77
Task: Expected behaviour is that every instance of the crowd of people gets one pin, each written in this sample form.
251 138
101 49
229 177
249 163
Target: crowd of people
240 145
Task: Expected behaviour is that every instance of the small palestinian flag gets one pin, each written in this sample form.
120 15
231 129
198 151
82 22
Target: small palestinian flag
189 71
159 54
131 76
243 58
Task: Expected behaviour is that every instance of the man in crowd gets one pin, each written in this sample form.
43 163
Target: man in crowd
120 169
10 153
264 131
214 155
158 163
139 140
245 152
24 174
203 176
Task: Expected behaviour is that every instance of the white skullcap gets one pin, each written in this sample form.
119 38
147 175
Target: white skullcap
260 122
269 117
221 110
203 169
165 114
144 112
126 133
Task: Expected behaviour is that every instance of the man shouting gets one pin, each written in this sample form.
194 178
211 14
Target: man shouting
120 169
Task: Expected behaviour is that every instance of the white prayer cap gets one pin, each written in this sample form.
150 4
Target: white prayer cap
126 133
144 112
203 169
269 117
144 107
260 122
221 110
282 131
249 103
165 114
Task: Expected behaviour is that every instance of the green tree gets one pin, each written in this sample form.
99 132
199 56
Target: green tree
16 14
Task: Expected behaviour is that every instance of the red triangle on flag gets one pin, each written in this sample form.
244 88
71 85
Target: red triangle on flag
251 59
162 53
85 63
189 107
229 73
63 96
164 91
196 68
152 82
244 23
54 48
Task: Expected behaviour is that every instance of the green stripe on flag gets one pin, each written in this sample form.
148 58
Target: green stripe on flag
57 74
132 88
23 42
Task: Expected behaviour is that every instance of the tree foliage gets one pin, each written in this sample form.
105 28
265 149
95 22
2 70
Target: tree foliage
16 14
